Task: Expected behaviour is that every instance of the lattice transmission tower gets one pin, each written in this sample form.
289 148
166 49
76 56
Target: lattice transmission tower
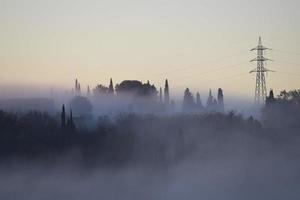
260 85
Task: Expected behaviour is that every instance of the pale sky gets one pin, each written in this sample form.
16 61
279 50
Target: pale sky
201 44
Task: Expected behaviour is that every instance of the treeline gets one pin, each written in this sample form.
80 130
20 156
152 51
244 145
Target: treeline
282 112
148 138
129 137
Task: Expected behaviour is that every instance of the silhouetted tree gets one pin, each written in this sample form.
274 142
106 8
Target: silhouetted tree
188 100
100 90
136 88
146 138
215 105
88 91
81 105
166 93
220 100
209 103
72 125
63 116
293 95
270 99
198 101
160 96
111 87
77 87
282 112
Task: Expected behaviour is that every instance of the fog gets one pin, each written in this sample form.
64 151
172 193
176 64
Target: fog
129 147
238 170
104 105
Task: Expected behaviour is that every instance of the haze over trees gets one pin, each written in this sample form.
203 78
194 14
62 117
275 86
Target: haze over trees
135 96
282 111
203 147
33 134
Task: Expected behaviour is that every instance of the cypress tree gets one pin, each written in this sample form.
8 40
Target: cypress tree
79 89
71 117
88 91
111 87
209 100
72 125
271 95
198 101
63 116
76 85
166 93
160 95
188 100
220 100
270 99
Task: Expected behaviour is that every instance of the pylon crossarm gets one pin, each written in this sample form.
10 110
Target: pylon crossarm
267 70
260 48
260 59
262 70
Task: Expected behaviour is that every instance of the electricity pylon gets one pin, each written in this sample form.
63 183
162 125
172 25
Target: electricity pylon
260 86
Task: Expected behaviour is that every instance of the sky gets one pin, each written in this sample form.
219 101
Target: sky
200 44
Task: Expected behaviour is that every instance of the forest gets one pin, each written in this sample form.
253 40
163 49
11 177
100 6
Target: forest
131 138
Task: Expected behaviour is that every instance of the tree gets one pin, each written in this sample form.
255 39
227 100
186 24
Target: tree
209 101
160 96
198 100
88 91
137 89
129 87
293 95
188 100
80 105
166 93
63 116
220 100
282 112
77 87
100 90
270 99
111 87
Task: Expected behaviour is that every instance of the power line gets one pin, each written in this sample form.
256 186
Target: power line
288 73
227 77
232 76
197 65
289 63
287 52
201 74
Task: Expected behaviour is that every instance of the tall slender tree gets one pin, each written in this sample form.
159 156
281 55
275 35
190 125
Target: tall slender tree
166 93
209 100
188 100
160 95
71 117
76 85
71 125
79 89
270 99
198 100
63 116
88 91
220 100
111 87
